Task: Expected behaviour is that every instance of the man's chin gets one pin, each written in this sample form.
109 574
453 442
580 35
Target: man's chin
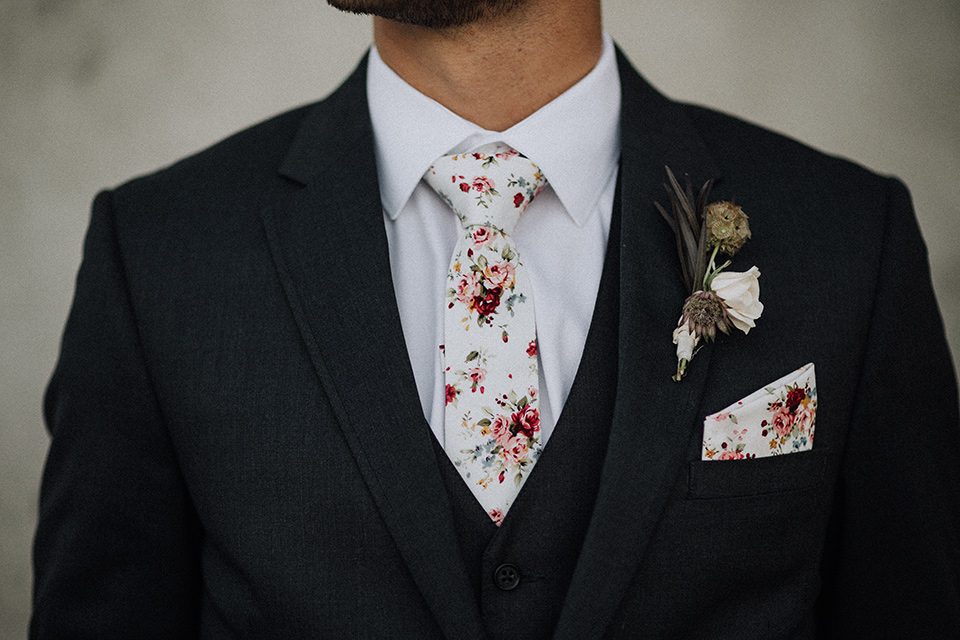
431 14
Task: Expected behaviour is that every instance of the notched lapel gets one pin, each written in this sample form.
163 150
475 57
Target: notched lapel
329 245
654 416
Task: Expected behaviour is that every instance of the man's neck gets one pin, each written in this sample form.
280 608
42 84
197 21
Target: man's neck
498 72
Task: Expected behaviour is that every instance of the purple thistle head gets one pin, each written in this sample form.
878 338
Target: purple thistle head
705 312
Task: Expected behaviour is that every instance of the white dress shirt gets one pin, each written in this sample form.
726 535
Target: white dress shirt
561 237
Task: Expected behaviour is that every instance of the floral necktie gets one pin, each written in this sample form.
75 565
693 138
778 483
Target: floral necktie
492 416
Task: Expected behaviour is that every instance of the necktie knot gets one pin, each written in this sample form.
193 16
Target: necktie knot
488 187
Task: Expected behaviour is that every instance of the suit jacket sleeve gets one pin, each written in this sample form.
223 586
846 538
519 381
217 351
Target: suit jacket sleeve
115 553
892 565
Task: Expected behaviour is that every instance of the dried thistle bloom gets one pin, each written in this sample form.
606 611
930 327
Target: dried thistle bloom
704 312
727 227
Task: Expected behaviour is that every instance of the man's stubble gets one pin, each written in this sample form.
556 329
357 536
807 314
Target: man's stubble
432 14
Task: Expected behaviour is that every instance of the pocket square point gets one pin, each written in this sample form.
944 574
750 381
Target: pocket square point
777 419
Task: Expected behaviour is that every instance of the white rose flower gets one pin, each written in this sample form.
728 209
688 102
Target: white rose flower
741 293
686 342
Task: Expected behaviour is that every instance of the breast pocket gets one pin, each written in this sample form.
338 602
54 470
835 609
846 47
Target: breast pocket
713 479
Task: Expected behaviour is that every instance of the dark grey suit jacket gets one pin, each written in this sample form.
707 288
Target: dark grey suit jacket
238 449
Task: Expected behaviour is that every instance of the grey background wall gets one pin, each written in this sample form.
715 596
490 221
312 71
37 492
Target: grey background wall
93 93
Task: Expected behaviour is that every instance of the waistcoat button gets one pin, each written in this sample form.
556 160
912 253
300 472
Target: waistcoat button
506 577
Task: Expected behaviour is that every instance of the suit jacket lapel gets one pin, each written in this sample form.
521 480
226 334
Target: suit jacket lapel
329 244
654 417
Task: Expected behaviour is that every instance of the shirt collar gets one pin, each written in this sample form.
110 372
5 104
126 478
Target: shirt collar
574 139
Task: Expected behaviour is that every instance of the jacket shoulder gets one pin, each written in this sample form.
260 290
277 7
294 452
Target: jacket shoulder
745 148
241 165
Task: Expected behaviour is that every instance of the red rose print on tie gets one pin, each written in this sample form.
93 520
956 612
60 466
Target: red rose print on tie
501 429
487 305
482 236
514 452
518 199
482 184
469 289
500 274
476 375
532 349
527 421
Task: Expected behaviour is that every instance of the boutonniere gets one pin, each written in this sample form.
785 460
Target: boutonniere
718 298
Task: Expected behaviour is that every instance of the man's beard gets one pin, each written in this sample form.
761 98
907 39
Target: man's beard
432 14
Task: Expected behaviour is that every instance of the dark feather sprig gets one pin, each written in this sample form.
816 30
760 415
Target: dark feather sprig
686 218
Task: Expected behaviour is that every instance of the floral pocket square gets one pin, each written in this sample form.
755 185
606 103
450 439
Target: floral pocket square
777 419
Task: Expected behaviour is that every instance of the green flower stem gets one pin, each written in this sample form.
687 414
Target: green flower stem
713 270
710 267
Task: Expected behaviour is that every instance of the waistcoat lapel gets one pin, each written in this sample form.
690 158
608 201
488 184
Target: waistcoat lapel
654 417
544 530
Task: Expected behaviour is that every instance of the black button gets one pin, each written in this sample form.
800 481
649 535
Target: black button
507 577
